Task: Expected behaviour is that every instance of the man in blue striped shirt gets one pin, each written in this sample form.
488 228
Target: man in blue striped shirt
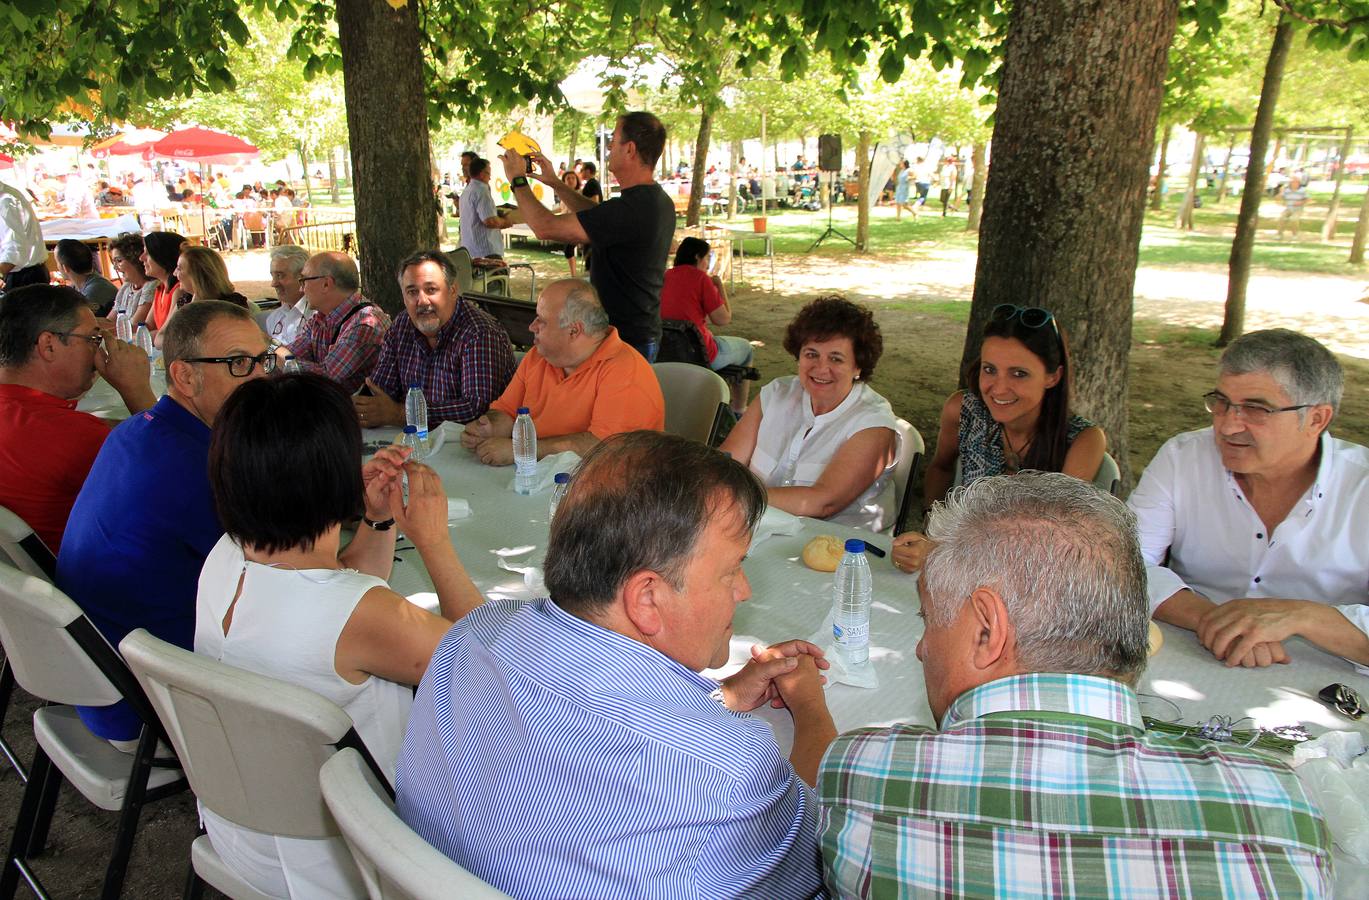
569 747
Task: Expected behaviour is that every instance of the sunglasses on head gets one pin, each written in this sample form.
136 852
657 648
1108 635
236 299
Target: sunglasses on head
1029 316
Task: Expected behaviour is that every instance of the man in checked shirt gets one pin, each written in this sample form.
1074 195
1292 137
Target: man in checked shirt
342 339
456 352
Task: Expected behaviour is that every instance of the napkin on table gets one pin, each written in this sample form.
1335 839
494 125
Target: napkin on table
775 521
862 675
548 466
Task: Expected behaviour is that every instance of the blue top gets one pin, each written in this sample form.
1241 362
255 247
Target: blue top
138 534
550 756
981 440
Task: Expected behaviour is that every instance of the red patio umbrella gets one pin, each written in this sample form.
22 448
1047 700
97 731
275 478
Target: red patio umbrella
128 144
205 145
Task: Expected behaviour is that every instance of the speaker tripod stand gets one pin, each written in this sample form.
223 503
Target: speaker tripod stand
830 232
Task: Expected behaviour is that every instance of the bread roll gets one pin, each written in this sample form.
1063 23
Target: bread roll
1157 639
823 553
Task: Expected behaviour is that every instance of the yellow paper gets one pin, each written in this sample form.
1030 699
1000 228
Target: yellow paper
518 142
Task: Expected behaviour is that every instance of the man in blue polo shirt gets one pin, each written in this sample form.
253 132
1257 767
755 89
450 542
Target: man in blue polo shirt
144 521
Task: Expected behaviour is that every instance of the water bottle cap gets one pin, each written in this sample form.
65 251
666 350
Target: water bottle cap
289 356
142 324
524 411
415 386
411 429
855 545
562 478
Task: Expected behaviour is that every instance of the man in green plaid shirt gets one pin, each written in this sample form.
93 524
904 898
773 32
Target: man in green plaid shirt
1041 781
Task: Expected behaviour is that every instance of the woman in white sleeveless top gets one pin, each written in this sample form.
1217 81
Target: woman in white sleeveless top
276 596
823 441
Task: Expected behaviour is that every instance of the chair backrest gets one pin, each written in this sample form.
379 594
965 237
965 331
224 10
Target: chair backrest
395 863
1109 477
56 653
465 274
681 342
692 397
911 448
24 548
250 745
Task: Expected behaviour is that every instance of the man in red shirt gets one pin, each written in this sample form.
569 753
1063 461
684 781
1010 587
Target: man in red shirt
51 349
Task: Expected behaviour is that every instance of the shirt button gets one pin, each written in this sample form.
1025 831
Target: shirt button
1259 535
1257 579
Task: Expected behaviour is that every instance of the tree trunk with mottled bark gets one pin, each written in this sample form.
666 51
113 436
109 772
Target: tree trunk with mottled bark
863 207
696 187
1248 219
976 209
1079 96
1157 198
1184 220
387 118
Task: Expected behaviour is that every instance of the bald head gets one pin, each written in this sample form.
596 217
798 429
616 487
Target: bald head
329 279
570 324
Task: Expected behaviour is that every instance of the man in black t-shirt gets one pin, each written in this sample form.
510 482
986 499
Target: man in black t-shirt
629 235
591 187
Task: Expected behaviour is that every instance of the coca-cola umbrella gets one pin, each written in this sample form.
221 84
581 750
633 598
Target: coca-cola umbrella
205 146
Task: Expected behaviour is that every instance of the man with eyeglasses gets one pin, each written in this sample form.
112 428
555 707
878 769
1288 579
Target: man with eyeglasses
342 338
145 521
51 350
1253 529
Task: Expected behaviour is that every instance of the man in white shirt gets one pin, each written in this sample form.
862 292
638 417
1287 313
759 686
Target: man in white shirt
1253 529
480 221
23 255
287 264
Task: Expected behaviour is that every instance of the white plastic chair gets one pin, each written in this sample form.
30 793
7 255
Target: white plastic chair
465 272
1109 477
59 656
27 552
911 449
395 863
695 400
251 745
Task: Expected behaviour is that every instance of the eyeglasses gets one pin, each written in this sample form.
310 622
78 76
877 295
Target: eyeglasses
1029 316
304 279
1217 403
240 366
95 340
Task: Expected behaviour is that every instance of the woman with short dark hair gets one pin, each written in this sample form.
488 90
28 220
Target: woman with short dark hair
823 441
161 251
278 596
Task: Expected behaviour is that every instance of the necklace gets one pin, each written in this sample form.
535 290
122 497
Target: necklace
1013 456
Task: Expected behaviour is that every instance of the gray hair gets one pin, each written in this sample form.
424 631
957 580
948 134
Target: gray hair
182 335
1301 366
1064 557
341 268
27 312
294 256
583 306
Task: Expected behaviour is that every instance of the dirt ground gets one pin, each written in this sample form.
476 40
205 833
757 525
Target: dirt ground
922 299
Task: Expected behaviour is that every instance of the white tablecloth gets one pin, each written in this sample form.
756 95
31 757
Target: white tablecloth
103 401
89 229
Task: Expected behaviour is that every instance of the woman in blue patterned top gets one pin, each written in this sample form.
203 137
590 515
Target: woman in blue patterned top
1014 416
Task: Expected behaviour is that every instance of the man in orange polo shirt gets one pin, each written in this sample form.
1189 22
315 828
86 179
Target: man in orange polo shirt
580 381
50 352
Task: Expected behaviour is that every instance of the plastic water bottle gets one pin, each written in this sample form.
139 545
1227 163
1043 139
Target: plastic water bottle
851 606
524 452
123 327
558 491
416 412
144 341
292 365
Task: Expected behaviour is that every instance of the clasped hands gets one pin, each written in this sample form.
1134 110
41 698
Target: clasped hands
488 442
1249 632
785 674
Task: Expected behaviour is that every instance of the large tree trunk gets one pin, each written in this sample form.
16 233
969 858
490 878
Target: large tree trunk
1157 198
1184 220
1248 220
976 186
1079 95
1361 233
863 207
387 118
1328 229
696 186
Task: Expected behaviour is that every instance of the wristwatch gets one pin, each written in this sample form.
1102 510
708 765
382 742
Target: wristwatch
518 181
378 526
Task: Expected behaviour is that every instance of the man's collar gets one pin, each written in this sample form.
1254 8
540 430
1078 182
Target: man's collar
1090 696
341 309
